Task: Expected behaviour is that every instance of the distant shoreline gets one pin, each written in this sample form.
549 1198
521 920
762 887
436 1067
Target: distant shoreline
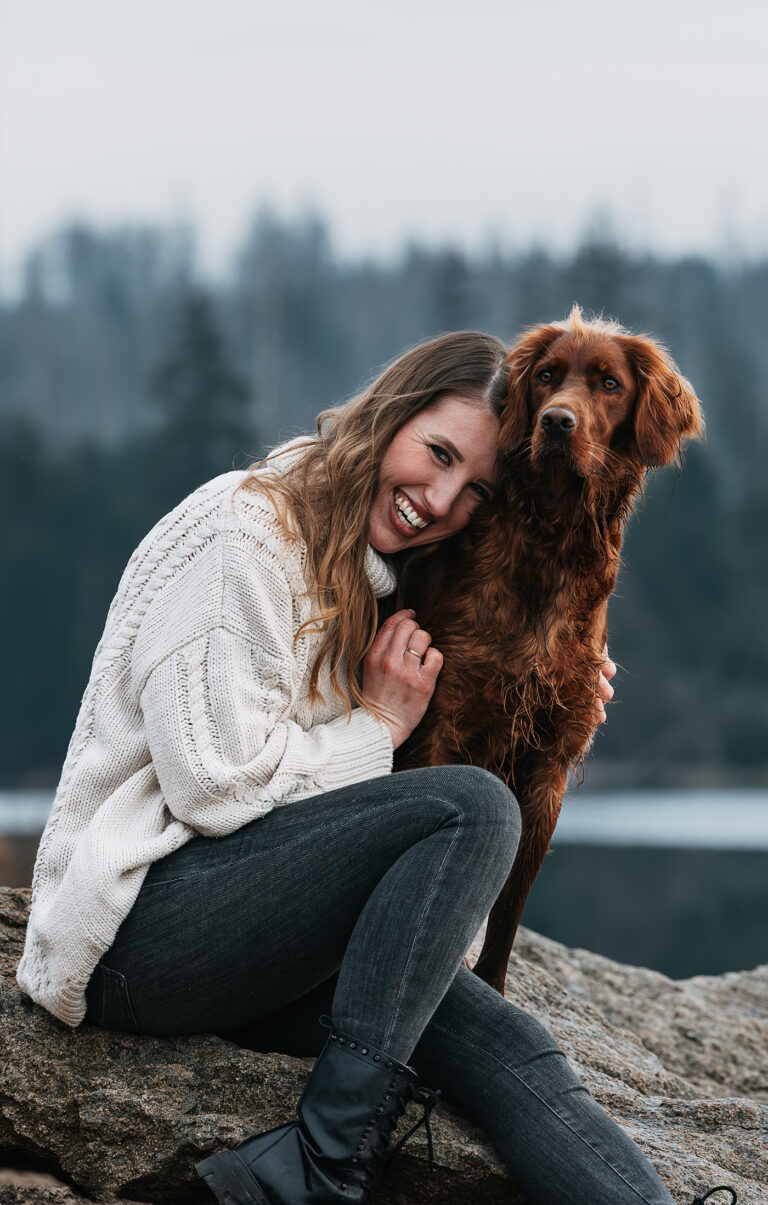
731 817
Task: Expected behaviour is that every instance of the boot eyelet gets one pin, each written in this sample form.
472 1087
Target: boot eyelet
388 1066
377 1058
353 1045
363 1049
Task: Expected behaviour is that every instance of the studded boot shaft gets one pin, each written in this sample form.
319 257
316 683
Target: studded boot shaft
348 1110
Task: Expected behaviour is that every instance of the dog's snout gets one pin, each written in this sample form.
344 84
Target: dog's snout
559 420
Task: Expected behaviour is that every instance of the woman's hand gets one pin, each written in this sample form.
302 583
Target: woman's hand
399 674
604 688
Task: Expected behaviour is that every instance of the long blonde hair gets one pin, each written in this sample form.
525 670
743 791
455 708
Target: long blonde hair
325 496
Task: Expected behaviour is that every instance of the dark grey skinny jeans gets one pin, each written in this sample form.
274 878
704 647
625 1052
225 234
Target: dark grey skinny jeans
361 903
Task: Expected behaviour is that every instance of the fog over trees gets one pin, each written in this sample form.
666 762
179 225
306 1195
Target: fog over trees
125 382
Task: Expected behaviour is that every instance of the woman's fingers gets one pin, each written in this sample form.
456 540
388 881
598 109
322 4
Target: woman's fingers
604 688
432 664
388 629
406 642
425 659
389 640
605 691
418 643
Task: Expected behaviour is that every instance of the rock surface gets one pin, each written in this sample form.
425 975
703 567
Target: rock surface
681 1065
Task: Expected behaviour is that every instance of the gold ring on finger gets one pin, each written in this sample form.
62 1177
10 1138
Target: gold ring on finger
415 654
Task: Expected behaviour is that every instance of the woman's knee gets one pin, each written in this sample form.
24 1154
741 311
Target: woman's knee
480 798
487 800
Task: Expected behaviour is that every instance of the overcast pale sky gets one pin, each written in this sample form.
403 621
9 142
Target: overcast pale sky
443 120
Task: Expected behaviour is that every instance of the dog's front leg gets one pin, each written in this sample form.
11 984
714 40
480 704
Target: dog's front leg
540 801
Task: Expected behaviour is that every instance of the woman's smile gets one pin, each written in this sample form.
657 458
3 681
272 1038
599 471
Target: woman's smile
409 517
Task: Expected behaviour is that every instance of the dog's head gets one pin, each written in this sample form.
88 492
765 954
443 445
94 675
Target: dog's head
584 392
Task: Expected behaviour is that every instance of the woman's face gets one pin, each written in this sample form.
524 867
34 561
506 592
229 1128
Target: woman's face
440 466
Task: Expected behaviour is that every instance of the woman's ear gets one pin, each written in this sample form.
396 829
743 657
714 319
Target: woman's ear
524 355
667 410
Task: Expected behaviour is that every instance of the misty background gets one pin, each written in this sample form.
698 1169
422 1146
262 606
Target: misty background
217 221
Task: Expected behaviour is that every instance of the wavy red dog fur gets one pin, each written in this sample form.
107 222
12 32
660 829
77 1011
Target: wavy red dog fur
517 601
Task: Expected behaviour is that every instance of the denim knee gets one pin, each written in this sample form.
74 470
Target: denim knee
482 798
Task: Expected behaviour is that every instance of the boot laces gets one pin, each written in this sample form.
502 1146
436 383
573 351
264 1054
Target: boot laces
427 1099
719 1188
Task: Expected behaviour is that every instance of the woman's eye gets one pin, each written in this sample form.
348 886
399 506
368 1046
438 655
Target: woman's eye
611 384
439 452
545 376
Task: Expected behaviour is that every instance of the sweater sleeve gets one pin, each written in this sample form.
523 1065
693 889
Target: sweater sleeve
217 718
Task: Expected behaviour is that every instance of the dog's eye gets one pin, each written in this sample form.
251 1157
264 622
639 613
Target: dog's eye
611 384
545 376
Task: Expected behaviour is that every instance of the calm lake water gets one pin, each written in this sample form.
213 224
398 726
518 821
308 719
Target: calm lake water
730 818
727 818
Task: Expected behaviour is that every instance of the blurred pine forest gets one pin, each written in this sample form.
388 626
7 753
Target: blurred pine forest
125 382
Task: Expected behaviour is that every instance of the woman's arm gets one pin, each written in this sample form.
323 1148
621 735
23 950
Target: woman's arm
224 748
229 735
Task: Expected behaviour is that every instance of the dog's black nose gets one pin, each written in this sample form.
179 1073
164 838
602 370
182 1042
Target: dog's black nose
558 420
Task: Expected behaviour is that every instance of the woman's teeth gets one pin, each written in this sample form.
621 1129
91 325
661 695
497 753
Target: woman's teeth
408 513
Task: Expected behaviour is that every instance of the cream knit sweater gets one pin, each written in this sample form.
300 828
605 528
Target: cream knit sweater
196 719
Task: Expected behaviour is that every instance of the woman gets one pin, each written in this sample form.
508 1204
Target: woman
229 851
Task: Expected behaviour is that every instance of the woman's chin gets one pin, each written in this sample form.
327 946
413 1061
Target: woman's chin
386 545
383 537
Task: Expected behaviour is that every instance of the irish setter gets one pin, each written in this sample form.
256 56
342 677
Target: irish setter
517 604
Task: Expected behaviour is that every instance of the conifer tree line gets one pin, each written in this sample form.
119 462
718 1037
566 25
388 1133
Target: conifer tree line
125 382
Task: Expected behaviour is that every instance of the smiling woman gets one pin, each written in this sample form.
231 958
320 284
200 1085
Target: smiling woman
229 850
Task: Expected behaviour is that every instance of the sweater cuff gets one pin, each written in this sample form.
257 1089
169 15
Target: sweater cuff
362 749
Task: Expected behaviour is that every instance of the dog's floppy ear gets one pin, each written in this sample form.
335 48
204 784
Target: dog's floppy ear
524 355
667 410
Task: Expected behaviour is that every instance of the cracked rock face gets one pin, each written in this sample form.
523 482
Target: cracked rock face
681 1065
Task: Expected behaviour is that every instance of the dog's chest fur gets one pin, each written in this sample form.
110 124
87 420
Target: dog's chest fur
518 612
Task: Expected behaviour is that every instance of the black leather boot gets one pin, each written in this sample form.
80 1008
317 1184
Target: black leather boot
720 1188
347 1112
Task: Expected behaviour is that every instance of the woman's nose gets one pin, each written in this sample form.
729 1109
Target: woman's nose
441 499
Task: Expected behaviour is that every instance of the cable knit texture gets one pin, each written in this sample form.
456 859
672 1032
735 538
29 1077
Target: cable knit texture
196 719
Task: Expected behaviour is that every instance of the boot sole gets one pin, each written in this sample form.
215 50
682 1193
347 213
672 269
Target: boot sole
229 1179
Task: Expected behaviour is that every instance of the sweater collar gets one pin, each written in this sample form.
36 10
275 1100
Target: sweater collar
381 575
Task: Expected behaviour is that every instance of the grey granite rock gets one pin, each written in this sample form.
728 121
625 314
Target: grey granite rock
39 1194
682 1066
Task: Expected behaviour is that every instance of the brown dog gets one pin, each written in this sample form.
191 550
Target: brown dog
517 603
